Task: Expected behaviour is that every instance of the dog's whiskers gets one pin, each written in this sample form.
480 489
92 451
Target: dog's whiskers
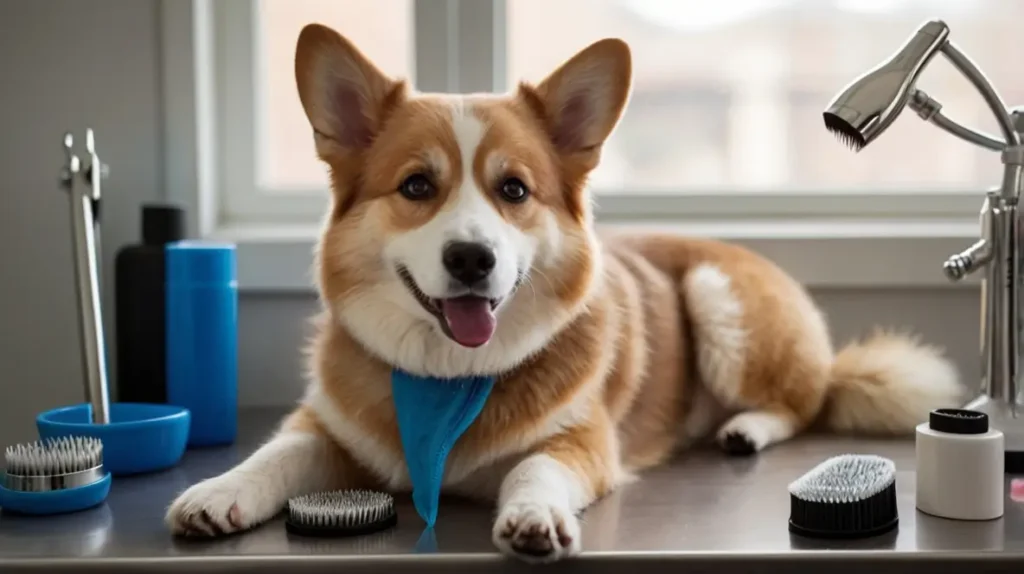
545 277
528 280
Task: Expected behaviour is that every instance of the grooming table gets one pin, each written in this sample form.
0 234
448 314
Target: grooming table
703 513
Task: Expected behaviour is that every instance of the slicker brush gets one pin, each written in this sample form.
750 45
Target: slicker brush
848 496
54 476
341 513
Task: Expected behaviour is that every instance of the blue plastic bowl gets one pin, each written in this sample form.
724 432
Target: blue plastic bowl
140 437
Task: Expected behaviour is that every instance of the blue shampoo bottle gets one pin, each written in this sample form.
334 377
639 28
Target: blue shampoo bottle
202 338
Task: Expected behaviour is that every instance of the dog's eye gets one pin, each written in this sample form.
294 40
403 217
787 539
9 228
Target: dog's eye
417 187
514 190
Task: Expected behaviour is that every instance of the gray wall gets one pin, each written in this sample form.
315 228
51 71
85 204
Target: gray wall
62 64
67 62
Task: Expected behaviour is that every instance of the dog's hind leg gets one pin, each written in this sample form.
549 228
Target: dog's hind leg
762 351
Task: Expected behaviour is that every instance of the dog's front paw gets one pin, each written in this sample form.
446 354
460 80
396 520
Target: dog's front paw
217 506
537 532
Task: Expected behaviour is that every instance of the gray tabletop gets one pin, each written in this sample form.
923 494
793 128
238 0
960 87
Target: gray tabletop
703 513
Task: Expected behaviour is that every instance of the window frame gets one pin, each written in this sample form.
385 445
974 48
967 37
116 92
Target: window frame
207 49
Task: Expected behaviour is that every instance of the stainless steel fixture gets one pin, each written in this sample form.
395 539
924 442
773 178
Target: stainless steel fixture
869 105
85 236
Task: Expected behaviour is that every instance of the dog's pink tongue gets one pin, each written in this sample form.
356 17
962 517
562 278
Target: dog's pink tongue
470 320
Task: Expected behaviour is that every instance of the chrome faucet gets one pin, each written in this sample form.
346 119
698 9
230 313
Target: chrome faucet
866 108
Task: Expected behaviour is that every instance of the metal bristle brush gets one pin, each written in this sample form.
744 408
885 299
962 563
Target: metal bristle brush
341 513
52 476
847 496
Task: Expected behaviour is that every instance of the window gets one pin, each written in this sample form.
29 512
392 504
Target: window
724 124
728 95
269 172
286 159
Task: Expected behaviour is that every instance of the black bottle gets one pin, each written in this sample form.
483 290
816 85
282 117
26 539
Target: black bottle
139 307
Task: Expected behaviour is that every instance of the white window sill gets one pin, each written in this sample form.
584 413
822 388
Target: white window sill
822 254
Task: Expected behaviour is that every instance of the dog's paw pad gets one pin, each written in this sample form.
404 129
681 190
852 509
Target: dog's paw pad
737 443
537 532
214 507
750 432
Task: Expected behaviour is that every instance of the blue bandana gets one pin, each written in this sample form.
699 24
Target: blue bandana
432 414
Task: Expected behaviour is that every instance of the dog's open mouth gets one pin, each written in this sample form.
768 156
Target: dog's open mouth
468 320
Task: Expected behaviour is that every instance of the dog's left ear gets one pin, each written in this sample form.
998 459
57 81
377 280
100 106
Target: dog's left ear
583 100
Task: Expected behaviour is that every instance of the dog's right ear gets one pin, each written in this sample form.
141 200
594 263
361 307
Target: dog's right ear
345 96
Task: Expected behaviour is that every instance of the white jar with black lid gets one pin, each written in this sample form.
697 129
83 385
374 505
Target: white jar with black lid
960 463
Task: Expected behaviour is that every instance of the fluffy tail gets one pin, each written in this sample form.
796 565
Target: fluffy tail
887 384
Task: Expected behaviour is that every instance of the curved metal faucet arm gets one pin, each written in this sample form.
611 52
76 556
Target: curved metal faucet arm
929 109
966 67
966 133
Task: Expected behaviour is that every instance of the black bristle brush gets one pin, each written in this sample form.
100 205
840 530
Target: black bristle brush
847 496
341 513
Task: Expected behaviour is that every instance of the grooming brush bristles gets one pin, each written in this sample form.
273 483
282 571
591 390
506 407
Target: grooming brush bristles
341 513
847 496
844 132
53 457
845 479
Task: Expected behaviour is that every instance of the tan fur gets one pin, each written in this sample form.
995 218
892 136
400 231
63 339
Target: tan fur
654 340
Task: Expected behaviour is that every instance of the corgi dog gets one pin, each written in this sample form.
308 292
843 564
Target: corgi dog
460 240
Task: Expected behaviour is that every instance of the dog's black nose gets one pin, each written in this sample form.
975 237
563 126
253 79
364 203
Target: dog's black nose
468 263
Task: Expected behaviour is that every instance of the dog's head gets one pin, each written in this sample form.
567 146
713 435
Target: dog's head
459 236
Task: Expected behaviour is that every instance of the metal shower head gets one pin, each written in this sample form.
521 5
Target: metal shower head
869 104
